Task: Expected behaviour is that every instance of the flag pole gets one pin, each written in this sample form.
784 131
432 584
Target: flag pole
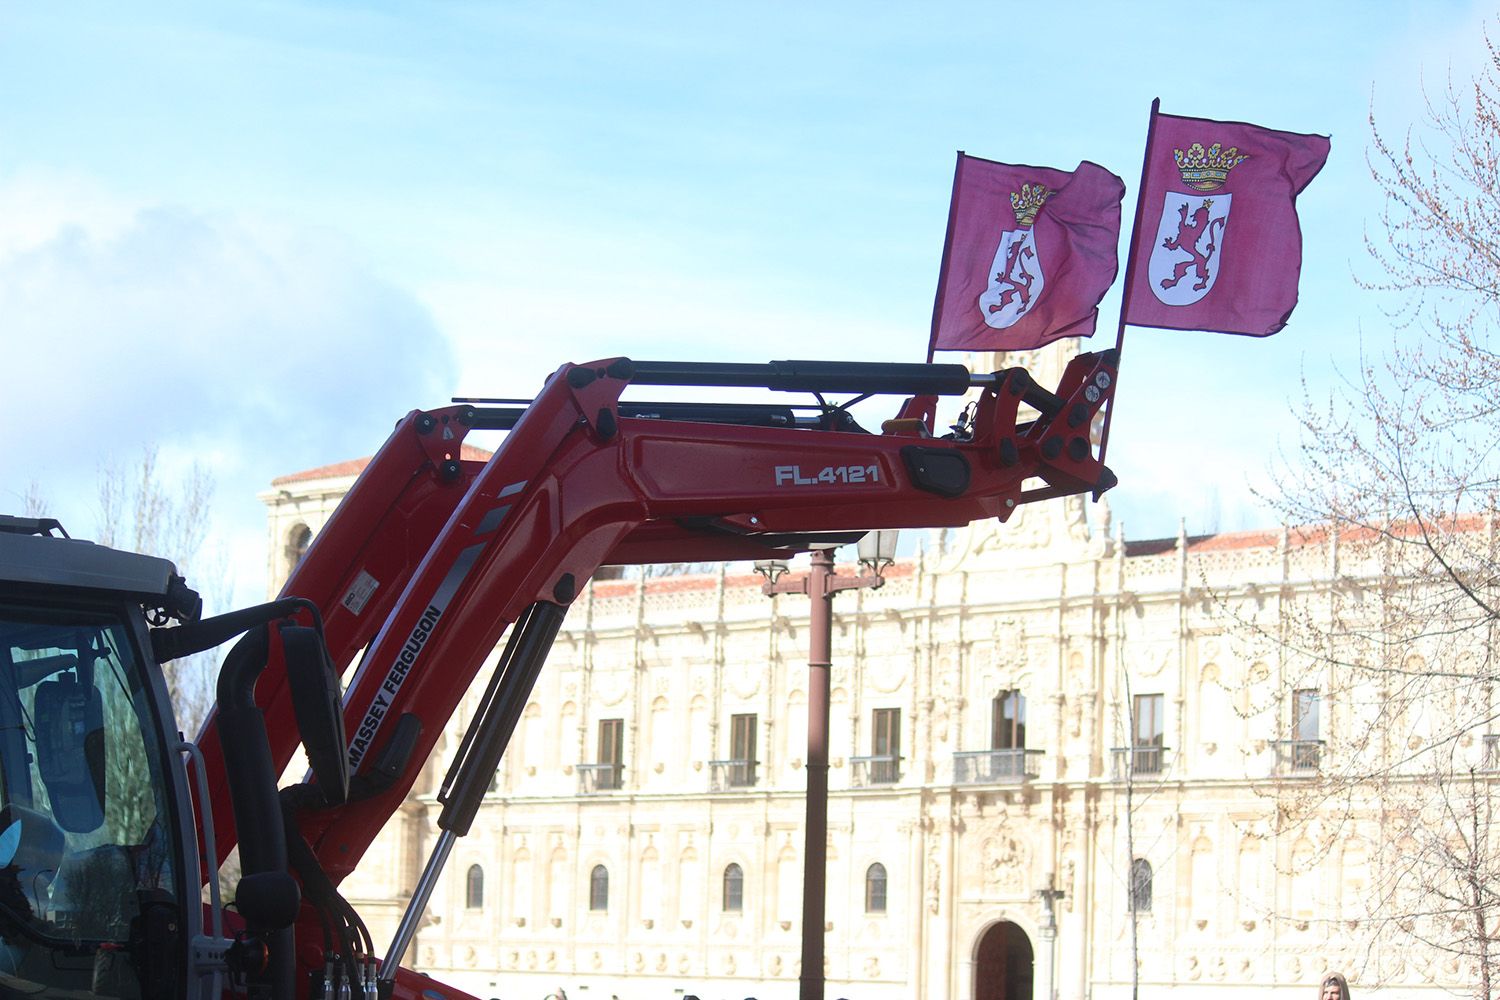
942 285
1135 229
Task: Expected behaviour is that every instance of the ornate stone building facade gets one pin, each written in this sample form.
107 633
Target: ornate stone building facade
1034 706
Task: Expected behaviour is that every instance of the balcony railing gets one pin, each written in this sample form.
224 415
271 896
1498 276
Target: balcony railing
996 767
726 774
1298 756
596 778
868 771
1144 762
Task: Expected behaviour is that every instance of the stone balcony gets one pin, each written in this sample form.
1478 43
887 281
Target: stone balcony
997 767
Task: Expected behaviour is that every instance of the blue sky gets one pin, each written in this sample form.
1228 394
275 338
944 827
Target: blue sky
258 236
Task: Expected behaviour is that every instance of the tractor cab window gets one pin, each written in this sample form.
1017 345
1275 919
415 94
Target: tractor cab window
84 844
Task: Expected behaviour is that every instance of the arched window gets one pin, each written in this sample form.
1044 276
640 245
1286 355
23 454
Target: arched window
1140 886
1008 721
474 888
734 889
875 888
599 888
296 545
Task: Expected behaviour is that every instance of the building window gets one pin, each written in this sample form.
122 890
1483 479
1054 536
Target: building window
599 889
611 753
734 889
885 746
474 888
1305 714
742 750
1140 886
1008 721
1150 728
297 541
875 888
1305 746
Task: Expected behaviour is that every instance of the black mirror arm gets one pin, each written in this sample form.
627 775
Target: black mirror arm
185 640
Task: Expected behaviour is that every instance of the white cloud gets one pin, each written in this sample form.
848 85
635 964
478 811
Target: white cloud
255 348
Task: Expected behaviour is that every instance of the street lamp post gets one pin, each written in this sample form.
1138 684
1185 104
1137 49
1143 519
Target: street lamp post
876 551
1049 895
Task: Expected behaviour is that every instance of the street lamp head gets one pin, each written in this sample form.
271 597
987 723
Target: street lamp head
771 569
877 549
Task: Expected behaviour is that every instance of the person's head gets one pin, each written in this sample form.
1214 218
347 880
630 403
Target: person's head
1333 987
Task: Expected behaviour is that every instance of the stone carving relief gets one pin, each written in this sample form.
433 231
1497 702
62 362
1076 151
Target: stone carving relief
1010 641
934 878
1006 858
610 686
1077 678
886 674
1030 527
940 722
947 679
743 684
1151 660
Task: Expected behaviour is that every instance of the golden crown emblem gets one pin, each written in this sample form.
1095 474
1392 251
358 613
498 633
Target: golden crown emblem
1028 201
1207 169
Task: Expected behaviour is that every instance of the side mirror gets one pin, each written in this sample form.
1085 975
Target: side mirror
68 717
318 704
268 900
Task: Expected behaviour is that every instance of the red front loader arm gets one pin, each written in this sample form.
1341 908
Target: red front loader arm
429 560
574 485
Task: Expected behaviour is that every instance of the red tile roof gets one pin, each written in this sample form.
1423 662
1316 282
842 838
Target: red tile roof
1302 536
354 466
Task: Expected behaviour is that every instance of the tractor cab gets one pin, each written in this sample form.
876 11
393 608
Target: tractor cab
94 862
101 888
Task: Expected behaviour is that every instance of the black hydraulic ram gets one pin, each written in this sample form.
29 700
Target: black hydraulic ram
868 378
810 376
498 418
468 777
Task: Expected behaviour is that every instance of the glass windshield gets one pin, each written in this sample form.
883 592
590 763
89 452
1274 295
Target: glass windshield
84 850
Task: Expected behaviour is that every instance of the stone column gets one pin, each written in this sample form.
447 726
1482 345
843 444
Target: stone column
1045 965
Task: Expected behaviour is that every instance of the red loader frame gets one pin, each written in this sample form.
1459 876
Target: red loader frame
429 559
